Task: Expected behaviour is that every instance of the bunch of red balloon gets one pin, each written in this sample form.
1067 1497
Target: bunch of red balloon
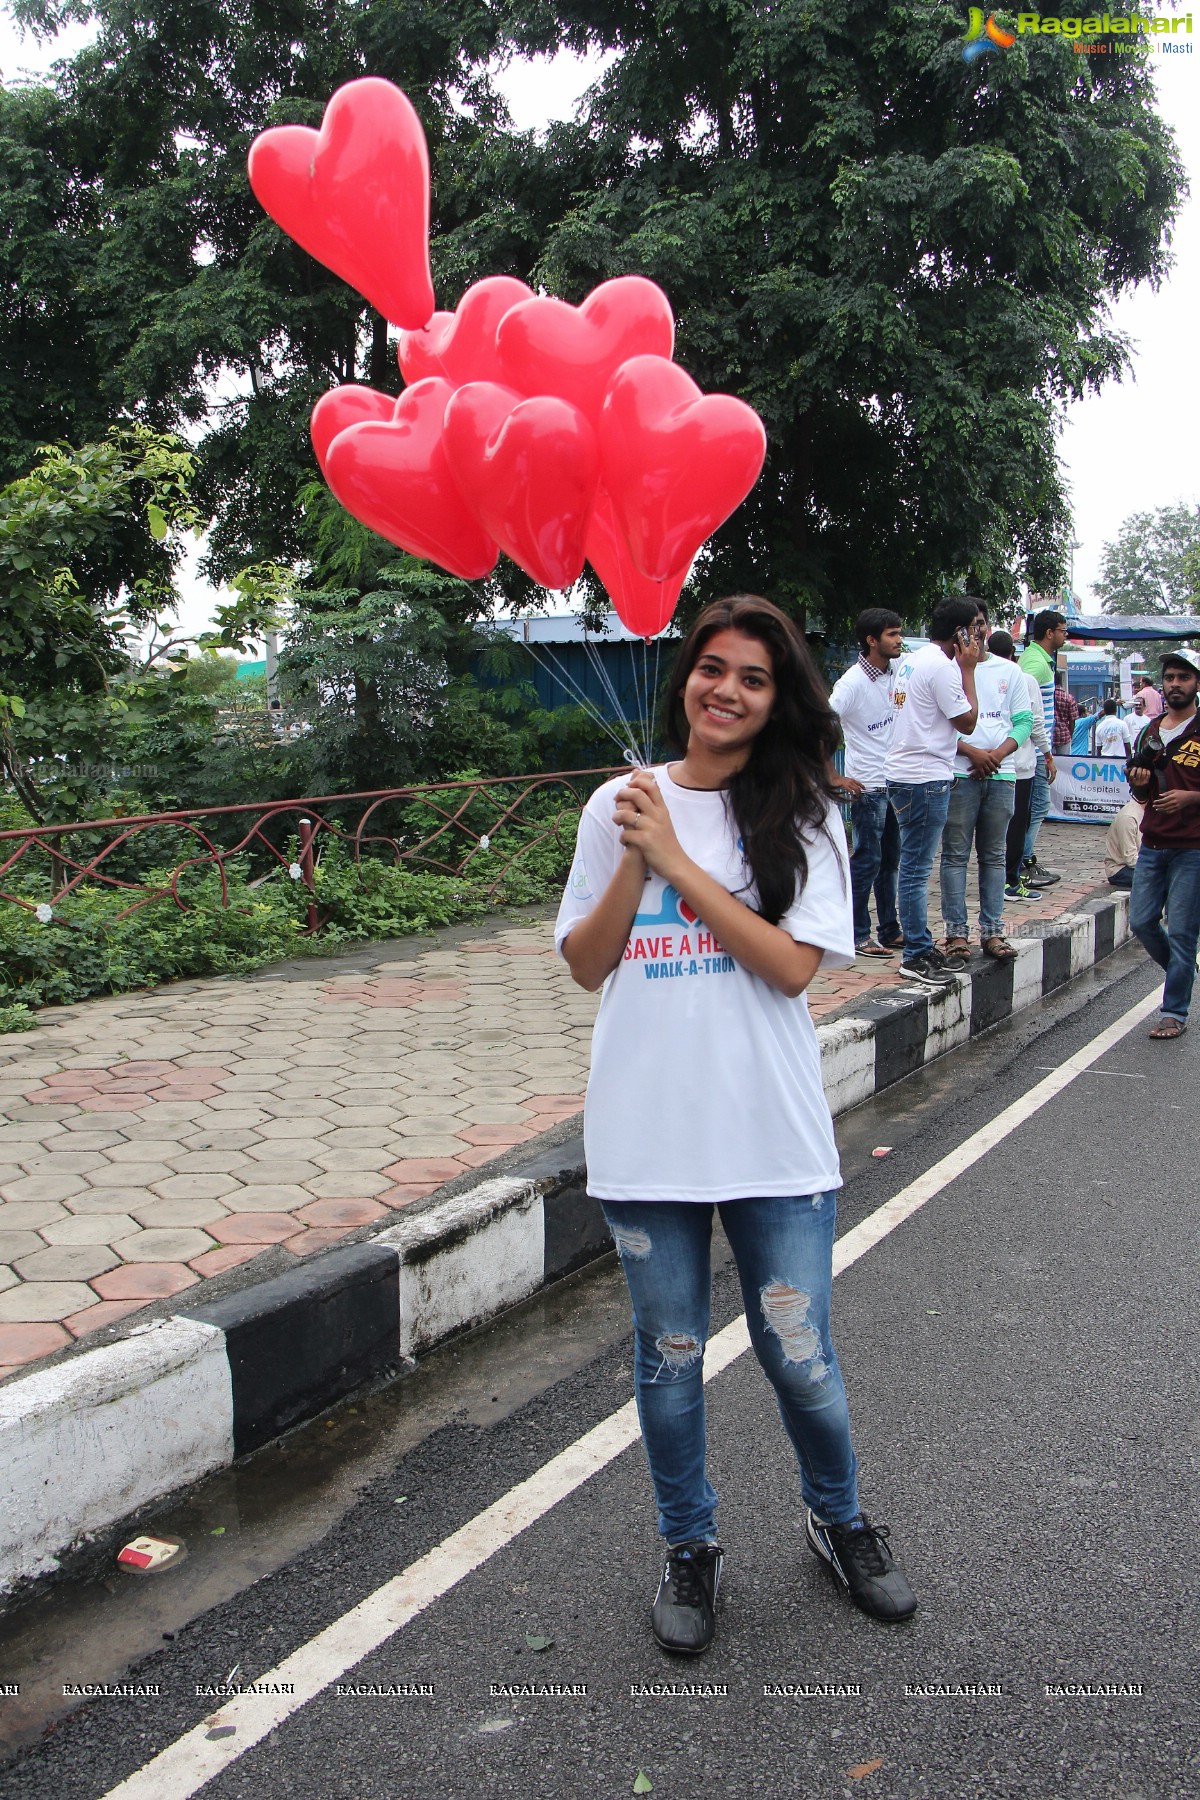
558 434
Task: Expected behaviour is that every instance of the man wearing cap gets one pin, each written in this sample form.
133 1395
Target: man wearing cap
1164 770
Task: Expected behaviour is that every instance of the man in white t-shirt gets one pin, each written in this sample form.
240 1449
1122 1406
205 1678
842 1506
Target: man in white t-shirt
862 700
982 803
933 692
1110 738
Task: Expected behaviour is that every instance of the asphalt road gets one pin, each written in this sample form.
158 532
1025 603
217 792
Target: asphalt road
1023 1376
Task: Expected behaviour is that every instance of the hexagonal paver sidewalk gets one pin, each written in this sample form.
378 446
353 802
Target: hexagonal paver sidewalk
151 1141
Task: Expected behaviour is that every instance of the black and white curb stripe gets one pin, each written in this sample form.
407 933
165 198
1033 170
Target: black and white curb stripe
93 1439
890 1034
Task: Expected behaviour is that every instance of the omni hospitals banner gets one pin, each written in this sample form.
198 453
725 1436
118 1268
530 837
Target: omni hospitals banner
1088 787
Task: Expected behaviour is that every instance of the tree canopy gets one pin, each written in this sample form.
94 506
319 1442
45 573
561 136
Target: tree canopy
1153 563
901 259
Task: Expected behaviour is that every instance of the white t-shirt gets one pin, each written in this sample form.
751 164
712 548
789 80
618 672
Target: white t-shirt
706 1080
1168 733
1110 736
864 707
927 692
1000 690
1025 761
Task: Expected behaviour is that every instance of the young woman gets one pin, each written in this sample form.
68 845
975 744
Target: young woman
706 894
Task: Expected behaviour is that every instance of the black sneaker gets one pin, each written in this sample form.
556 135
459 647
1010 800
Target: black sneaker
683 1616
932 969
859 1556
1035 876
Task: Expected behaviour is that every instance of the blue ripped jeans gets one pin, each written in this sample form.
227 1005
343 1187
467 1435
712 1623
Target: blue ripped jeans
783 1248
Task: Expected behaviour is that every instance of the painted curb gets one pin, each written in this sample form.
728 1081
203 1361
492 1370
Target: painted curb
94 1439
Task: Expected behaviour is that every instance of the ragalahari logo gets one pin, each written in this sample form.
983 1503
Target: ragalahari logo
984 35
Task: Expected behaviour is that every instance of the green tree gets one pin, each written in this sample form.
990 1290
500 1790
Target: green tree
901 260
392 667
71 683
1153 563
54 381
69 532
195 309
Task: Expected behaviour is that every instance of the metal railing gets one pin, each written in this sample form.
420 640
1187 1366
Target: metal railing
477 827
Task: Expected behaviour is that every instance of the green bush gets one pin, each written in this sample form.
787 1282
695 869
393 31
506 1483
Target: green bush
526 858
87 949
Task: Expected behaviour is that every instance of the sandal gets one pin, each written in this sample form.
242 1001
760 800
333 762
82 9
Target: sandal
1000 948
871 948
956 946
1168 1028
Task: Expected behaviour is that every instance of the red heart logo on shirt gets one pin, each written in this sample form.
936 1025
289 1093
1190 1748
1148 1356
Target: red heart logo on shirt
394 477
461 345
356 195
528 469
548 347
676 462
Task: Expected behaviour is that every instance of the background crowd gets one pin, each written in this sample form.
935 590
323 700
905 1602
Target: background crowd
949 752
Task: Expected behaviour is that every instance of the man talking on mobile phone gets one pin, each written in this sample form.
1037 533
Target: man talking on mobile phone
933 695
1164 771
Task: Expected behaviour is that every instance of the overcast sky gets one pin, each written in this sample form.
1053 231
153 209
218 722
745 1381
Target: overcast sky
1133 447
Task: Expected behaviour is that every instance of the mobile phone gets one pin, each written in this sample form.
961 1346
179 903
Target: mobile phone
962 637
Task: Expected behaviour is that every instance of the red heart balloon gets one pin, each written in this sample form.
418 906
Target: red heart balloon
356 195
676 461
528 469
344 406
548 347
393 476
461 346
644 606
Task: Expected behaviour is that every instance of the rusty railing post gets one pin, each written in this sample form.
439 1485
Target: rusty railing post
306 864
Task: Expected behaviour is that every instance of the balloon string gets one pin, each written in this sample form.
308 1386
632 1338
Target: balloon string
594 656
584 701
657 655
640 688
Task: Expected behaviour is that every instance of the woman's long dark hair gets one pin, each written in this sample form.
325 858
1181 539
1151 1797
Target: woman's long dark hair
784 787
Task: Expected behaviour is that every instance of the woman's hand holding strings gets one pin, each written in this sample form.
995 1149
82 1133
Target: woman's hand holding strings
646 826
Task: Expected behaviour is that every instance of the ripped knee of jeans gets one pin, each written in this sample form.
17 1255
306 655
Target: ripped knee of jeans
632 1242
786 1312
679 1350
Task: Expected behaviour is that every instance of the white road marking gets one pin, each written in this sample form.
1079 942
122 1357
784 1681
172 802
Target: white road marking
1121 1074
193 1760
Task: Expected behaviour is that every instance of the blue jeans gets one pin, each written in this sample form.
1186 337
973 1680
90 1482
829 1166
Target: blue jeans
920 809
1168 881
873 864
1039 806
783 1248
979 813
